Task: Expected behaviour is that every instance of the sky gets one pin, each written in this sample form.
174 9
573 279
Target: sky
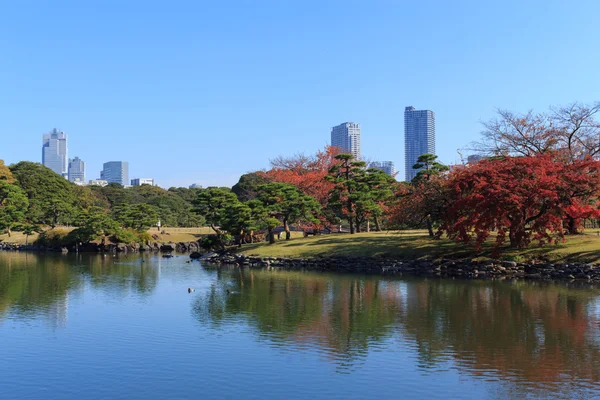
204 91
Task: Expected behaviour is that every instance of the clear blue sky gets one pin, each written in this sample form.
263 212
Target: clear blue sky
199 91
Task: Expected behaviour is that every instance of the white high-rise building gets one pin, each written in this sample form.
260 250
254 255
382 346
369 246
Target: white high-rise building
76 170
346 137
142 181
55 152
385 166
419 138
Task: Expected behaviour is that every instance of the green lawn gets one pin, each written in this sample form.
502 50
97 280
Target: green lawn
416 245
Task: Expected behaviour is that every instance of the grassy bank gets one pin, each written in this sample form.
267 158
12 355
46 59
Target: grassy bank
170 235
411 245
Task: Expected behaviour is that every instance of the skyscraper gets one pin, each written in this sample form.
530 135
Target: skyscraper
116 172
76 170
419 138
55 152
385 166
346 137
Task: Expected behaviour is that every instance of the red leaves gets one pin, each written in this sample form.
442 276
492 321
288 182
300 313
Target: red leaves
524 198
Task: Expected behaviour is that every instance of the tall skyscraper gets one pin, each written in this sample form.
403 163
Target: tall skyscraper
116 172
419 138
76 170
55 152
385 166
346 137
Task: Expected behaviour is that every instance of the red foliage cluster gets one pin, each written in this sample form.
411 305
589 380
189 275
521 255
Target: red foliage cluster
524 198
306 173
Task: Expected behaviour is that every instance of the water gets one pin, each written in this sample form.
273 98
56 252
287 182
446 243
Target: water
93 327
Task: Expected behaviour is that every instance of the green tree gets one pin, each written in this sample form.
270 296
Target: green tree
13 203
95 224
139 217
288 204
428 166
247 187
52 199
346 177
211 204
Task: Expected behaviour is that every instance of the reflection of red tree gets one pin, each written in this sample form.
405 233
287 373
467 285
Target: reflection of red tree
540 335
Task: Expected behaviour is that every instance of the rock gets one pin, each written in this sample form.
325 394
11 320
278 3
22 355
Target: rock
509 264
195 255
168 247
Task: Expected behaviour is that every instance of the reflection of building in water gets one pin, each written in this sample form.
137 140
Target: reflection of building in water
57 312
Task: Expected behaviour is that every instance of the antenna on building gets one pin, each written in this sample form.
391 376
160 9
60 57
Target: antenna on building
462 160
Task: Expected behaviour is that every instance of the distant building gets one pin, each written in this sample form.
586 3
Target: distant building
116 172
98 182
419 138
346 137
76 170
55 152
142 181
385 166
473 158
195 186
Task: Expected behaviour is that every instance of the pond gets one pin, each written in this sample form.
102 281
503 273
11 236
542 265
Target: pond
93 326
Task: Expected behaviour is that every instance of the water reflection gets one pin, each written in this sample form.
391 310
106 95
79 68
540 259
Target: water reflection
532 339
544 335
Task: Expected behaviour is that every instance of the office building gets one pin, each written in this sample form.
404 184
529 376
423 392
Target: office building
76 170
116 172
195 186
473 158
55 152
419 138
385 166
142 181
346 137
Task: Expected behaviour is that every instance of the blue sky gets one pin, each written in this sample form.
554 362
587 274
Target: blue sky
199 91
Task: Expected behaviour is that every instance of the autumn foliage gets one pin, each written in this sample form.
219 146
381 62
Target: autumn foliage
522 199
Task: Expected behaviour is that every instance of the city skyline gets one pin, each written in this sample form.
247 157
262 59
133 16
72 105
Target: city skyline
346 137
166 99
55 152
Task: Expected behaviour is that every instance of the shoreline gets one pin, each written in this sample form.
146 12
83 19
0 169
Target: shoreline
493 269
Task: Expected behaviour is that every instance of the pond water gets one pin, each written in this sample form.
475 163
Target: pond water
94 327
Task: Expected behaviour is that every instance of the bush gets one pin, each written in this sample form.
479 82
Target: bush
56 238
125 236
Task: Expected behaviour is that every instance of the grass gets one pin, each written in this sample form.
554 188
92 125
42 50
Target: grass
414 245
170 235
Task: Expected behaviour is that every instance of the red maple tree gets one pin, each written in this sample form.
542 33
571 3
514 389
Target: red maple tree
522 198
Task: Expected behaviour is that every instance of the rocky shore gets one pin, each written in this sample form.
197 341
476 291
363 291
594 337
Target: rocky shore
180 247
436 268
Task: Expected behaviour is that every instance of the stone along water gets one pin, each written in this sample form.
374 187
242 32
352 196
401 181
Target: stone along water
77 327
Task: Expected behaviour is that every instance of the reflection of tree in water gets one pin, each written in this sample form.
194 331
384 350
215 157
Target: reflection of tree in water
38 284
342 315
542 334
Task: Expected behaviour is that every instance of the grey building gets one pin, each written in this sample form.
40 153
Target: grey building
55 152
473 158
419 138
76 170
116 172
142 181
385 166
346 137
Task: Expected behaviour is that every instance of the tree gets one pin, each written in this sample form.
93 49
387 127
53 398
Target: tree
247 186
522 198
139 217
13 203
94 224
51 197
572 131
426 190
211 203
28 230
5 174
428 166
345 177
288 204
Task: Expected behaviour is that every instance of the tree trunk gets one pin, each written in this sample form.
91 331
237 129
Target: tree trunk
271 236
351 222
572 225
357 224
26 240
286 227
429 225
377 225
368 225
8 231
251 236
